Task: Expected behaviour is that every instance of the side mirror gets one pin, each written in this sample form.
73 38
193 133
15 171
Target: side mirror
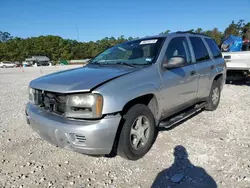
175 62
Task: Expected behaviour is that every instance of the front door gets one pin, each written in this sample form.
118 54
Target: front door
179 85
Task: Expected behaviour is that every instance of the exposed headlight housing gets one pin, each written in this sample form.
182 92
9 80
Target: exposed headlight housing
34 96
31 93
84 106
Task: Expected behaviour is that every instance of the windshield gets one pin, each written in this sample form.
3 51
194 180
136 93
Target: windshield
138 52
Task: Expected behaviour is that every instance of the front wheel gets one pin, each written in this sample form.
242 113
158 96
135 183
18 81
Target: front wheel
137 134
214 96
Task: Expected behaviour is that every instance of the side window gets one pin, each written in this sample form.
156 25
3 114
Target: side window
200 50
178 47
214 48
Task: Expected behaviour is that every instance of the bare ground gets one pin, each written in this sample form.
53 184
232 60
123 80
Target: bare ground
211 149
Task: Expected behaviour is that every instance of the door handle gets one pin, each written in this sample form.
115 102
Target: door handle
192 73
212 67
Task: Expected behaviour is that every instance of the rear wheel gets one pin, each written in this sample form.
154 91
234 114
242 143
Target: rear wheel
137 134
214 96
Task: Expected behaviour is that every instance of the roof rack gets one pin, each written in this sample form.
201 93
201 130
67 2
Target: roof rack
190 32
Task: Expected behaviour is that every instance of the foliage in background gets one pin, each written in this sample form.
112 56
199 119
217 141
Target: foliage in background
57 48
54 47
4 36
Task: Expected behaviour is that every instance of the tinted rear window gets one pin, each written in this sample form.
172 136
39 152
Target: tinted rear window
200 50
214 48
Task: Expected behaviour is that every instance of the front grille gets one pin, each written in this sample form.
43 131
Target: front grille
53 102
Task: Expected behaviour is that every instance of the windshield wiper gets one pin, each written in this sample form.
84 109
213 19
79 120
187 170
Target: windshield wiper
124 63
97 63
142 64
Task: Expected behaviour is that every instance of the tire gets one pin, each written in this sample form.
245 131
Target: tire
4 66
213 101
127 144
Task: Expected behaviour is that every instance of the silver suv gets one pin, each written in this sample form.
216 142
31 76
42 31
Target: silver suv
117 102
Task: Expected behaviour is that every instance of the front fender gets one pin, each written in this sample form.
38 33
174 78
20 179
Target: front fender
116 103
120 91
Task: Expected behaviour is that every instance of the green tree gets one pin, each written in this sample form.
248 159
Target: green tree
57 48
199 30
4 36
165 32
234 29
240 26
246 31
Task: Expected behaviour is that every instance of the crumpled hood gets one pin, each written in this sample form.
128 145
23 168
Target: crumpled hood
79 79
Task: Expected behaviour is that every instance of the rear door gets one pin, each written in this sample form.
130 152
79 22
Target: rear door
179 84
216 55
204 66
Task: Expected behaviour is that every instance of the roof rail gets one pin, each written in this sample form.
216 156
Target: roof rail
191 32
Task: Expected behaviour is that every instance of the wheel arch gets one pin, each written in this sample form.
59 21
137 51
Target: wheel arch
218 77
149 100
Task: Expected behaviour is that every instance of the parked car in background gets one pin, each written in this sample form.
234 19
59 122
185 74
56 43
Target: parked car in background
237 56
18 64
7 64
238 65
119 99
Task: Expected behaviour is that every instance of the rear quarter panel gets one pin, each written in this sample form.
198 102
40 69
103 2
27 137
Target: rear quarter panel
220 69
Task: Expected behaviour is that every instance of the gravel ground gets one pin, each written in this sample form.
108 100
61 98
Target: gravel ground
211 149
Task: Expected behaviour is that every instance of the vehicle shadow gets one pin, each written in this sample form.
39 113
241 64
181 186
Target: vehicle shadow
183 174
239 82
